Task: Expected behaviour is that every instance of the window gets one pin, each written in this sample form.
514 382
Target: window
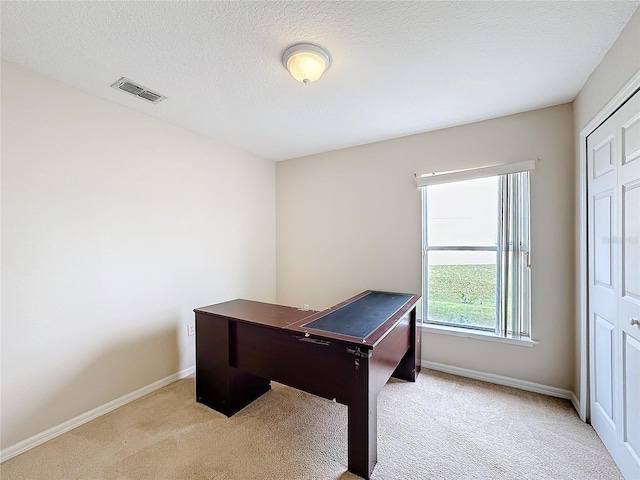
476 254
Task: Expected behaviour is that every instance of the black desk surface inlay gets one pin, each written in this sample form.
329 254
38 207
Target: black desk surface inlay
360 318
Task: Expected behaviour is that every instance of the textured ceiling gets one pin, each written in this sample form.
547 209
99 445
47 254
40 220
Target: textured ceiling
398 67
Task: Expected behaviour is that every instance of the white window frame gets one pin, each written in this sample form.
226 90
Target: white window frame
513 319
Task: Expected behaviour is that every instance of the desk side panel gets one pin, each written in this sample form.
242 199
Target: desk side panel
409 366
218 384
393 351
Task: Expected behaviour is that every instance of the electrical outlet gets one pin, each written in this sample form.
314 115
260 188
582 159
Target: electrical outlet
191 330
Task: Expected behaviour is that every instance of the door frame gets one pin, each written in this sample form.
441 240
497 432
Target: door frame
583 299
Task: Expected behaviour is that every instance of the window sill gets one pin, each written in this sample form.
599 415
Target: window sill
491 337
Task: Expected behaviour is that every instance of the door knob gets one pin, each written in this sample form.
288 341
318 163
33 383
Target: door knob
635 321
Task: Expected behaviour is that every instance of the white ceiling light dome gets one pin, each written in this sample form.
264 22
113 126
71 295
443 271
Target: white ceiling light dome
306 62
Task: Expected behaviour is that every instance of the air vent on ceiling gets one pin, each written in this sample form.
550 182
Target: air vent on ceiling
138 90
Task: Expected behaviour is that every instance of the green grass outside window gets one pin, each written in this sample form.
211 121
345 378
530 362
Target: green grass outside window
463 294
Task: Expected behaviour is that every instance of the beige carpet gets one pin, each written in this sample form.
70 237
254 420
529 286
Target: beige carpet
441 427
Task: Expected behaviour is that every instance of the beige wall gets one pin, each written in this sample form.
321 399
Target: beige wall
350 220
617 68
114 227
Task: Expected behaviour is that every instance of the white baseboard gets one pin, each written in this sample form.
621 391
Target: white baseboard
502 380
53 432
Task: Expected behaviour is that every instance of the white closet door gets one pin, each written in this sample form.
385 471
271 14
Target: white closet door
613 156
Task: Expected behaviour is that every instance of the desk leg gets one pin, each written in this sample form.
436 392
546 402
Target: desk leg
363 429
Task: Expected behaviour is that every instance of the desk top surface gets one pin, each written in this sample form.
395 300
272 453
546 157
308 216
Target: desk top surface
258 312
363 319
362 316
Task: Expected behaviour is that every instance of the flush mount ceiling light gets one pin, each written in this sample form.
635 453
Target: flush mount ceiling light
306 62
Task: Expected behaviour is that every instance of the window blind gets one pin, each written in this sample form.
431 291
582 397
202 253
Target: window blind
435 178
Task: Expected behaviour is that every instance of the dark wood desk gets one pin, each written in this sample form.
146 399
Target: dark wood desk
345 353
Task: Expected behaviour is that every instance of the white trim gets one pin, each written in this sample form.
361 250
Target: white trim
81 419
477 334
576 402
500 380
434 178
582 308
